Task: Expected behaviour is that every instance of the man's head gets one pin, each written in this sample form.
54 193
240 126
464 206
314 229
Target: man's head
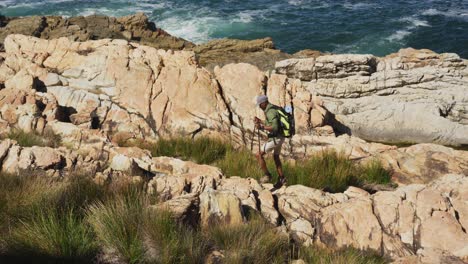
262 101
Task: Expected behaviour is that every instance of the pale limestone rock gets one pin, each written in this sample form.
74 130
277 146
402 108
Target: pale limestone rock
300 201
423 163
267 206
131 159
52 79
240 84
176 166
184 208
316 118
46 158
354 192
245 189
4 148
10 163
220 207
303 231
21 81
351 223
167 187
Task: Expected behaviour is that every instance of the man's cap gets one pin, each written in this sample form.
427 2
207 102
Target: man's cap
261 99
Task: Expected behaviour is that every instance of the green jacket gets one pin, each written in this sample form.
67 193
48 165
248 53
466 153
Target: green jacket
272 119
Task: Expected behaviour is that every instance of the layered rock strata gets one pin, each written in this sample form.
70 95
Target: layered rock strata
410 96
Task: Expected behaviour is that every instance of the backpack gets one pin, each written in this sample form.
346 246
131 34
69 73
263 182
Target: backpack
287 124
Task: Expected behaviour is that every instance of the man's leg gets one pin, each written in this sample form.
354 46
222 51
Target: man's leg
262 163
279 166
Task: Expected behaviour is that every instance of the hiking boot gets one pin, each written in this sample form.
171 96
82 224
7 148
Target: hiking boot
281 181
265 179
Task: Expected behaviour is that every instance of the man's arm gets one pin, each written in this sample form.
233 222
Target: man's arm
274 121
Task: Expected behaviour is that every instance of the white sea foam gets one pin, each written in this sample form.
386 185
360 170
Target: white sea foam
295 2
16 4
197 30
96 11
431 12
415 22
454 13
358 6
399 35
248 16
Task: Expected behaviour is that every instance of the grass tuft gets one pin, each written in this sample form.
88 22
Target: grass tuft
29 139
253 242
317 255
53 233
117 225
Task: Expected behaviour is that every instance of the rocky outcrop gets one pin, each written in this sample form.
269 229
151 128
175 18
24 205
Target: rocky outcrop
137 28
133 28
95 92
410 96
258 52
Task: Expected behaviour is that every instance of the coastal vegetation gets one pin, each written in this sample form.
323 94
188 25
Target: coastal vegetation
76 220
328 170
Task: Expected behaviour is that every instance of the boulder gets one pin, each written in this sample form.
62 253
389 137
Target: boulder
423 163
184 208
220 207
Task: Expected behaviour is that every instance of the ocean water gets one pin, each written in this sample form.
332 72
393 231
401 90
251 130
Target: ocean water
377 27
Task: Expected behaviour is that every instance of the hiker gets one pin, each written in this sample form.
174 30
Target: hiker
275 139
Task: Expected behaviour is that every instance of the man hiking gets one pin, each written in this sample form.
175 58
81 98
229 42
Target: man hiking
275 139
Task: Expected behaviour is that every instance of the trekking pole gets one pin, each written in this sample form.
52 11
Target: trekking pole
258 139
252 138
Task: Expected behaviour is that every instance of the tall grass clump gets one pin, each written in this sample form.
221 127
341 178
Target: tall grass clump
200 150
241 163
374 172
168 241
29 139
253 242
317 255
117 224
42 217
54 233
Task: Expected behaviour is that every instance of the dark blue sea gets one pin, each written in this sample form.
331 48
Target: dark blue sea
378 27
